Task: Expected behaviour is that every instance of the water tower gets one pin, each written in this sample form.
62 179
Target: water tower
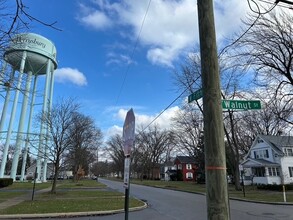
33 55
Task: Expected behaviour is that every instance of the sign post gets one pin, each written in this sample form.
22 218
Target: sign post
195 96
128 140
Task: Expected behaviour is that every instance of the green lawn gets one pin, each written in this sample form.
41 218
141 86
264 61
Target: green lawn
81 196
251 192
8 195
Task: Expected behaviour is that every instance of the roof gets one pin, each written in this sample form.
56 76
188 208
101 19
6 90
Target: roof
185 159
278 141
259 163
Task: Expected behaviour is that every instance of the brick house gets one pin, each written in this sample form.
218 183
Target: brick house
186 168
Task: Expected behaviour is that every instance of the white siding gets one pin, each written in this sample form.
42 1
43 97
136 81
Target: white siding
287 162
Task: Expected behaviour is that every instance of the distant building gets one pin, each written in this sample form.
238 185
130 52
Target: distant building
168 170
269 160
63 174
186 168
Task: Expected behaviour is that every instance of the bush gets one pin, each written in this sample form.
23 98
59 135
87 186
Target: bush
4 182
275 187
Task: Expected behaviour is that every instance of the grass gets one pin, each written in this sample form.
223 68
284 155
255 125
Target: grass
83 196
8 195
251 192
80 184
28 186
72 205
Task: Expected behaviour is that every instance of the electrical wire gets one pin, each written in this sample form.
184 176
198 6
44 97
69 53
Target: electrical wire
259 14
279 5
165 109
132 53
248 29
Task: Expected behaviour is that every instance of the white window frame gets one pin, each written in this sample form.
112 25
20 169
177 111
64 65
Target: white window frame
189 166
288 151
273 171
189 175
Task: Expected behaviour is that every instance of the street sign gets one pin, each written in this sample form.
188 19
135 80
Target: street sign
126 172
241 104
128 132
195 96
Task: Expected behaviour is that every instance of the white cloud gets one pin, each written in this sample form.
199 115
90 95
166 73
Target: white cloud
113 131
94 18
142 120
67 74
170 27
97 20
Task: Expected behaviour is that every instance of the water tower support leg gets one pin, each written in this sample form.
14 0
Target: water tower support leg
20 132
6 146
27 140
41 150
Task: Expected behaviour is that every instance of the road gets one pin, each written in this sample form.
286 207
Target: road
174 205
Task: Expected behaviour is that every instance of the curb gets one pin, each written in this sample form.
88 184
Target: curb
71 214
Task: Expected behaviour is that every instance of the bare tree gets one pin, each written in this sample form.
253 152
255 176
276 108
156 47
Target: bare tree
84 140
115 149
188 132
59 122
152 145
268 48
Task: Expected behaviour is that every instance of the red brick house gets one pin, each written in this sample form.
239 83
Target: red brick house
186 168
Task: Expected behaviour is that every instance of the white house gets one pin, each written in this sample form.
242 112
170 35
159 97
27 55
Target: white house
63 174
168 169
269 160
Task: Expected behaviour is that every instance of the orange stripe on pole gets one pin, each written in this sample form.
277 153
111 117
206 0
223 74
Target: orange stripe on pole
215 168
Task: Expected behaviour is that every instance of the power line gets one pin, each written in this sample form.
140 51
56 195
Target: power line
253 23
259 14
269 2
165 109
132 53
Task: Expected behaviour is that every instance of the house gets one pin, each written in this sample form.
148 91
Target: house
168 170
269 160
63 174
186 168
32 169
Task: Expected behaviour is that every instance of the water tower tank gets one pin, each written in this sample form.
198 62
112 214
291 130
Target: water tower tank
38 48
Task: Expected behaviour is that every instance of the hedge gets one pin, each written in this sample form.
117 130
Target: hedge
5 182
275 187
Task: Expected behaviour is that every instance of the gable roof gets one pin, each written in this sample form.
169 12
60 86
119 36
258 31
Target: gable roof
278 141
258 163
185 159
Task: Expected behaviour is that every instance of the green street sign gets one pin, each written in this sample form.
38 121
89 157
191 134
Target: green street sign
241 104
195 96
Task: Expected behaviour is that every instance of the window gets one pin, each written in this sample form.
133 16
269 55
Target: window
274 171
258 171
259 154
288 151
188 166
189 175
259 141
179 166
290 171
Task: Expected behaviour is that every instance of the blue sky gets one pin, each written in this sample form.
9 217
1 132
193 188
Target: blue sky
96 50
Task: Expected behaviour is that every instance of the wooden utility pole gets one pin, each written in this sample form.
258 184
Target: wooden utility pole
215 159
